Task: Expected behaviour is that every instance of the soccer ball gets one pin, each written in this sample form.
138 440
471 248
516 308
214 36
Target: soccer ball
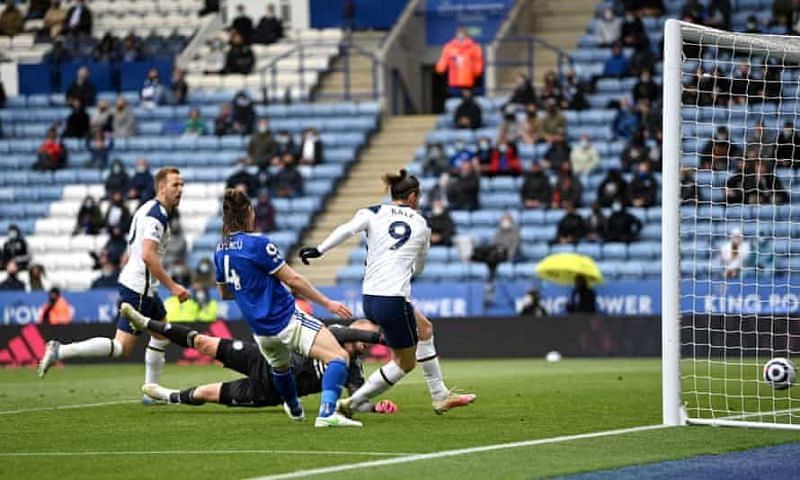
780 373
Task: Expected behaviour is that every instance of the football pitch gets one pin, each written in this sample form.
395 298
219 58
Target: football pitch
88 422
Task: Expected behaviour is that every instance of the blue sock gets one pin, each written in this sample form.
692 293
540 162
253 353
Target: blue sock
284 382
332 381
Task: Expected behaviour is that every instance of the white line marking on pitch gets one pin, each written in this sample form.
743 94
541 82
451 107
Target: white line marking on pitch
453 453
203 452
66 407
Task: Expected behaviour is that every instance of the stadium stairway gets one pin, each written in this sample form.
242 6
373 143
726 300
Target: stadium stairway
331 85
388 151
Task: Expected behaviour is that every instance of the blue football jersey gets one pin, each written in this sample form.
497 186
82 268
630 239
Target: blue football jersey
246 263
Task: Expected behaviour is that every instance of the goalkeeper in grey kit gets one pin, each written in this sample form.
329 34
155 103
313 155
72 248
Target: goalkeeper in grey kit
256 390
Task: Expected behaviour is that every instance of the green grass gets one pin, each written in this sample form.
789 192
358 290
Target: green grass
518 400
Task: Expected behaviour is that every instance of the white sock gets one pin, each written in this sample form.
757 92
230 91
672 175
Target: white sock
429 361
93 347
381 380
154 360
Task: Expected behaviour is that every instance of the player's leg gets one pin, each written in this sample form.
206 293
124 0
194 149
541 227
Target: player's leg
396 319
188 396
154 355
277 353
98 347
442 398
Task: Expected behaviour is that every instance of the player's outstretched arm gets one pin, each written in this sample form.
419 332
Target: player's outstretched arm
300 284
339 235
153 263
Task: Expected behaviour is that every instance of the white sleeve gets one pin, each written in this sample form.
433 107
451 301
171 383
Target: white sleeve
419 264
358 224
151 229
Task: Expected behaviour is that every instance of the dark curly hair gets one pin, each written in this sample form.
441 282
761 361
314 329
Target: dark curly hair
235 212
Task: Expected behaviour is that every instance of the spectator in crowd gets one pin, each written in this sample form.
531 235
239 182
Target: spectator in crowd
37 280
575 92
788 149
468 114
612 189
89 220
204 273
82 89
557 154
223 122
124 121
692 11
531 305
178 89
240 58
442 226
199 307
54 20
215 60
56 311
510 127
641 60
117 179
507 236
530 131
582 299
718 14
504 159
262 147
103 119
440 192
311 149
51 154
649 118
269 29
461 154
482 157
265 212
782 13
767 188
646 88
626 123
634 34
109 274
99 147
745 86
689 193
106 50
12 281
245 175
644 187
761 143
77 125
751 25
742 180
572 227
536 190
554 123
719 153
621 225
287 182
177 247
117 214
616 65
243 113
462 59
142 185
551 89
209 6
55 57
79 20
15 248
116 246
608 28
524 93
11 20
464 189
435 161
152 91
131 48
585 158
181 273
734 253
595 224
634 152
195 126
243 24
568 188
285 143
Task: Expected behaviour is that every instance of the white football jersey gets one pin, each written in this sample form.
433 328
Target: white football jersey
150 222
398 239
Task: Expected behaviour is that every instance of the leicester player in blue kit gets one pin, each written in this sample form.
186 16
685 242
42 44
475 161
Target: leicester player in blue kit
251 271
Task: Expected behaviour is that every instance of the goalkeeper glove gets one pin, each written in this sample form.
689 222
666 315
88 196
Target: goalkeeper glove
309 252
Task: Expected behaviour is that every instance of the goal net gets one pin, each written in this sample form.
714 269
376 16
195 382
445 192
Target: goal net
731 235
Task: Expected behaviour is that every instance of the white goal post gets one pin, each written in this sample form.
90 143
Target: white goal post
730 234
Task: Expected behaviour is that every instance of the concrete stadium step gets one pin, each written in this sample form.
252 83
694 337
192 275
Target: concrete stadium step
361 80
391 149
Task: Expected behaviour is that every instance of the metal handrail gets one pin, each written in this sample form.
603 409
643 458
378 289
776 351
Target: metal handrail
529 63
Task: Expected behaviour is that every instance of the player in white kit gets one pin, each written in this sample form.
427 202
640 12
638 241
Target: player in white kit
138 282
398 239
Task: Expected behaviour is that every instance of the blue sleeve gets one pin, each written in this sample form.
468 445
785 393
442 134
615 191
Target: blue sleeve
268 255
220 275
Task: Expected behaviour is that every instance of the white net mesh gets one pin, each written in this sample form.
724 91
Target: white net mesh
739 235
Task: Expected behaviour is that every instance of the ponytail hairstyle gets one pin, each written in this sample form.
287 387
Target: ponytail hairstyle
401 184
235 212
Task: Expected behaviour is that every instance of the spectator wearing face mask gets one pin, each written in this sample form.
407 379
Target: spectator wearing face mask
117 180
504 159
484 154
468 114
585 158
99 148
571 228
643 187
142 185
285 145
124 122
204 273
116 246
621 226
436 162
262 147
15 249
461 155
464 189
287 182
56 311
311 152
608 28
568 188
442 226
109 274
200 307
265 212
536 191
12 281
89 220
117 215
646 88
531 306
177 247
243 113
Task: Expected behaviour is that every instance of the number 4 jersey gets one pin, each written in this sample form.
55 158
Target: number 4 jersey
246 264
398 239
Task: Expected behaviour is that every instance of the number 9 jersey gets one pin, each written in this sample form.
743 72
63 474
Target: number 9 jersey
398 239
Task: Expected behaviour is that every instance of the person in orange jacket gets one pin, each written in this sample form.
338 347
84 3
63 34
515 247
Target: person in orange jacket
57 311
462 58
